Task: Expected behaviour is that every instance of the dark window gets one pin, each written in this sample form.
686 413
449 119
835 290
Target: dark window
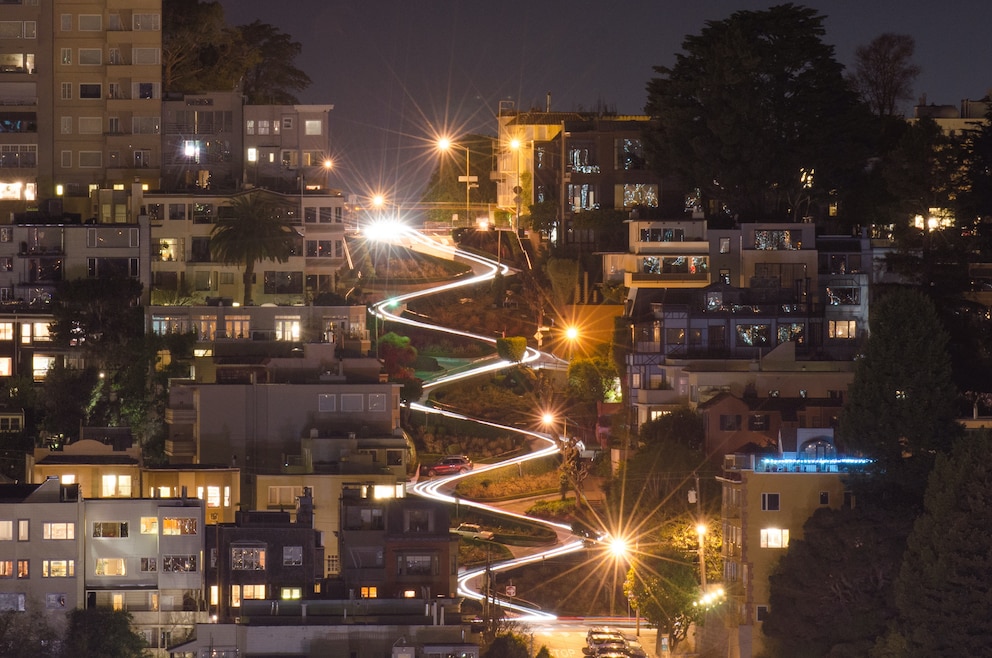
90 91
824 497
761 612
283 283
769 502
730 422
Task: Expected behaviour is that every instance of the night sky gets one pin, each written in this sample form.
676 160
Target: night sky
400 72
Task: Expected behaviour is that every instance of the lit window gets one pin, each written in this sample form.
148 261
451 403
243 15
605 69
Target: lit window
774 538
370 592
58 568
111 566
312 127
247 559
149 564
255 592
213 496
6 331
24 568
149 525
842 329
58 531
112 529
290 593
178 526
179 563
115 486
6 530
6 568
227 496
67 478
214 595
235 596
23 529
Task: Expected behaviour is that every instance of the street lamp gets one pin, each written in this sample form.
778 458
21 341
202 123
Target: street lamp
445 144
549 420
701 534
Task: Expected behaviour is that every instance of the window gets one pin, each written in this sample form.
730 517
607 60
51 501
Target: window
418 520
824 497
66 91
6 530
115 486
147 56
90 90
770 502
263 126
792 332
90 125
291 593
66 22
111 566
6 568
415 565
146 125
146 22
90 159
761 613
213 496
776 240
58 530
842 329
370 592
326 402
253 592
287 123
115 57
178 563
24 568
774 538
110 529
753 335
178 526
724 245
90 57
843 296
66 57
247 558
149 564
23 529
312 127
292 556
90 22
729 423
58 568
287 327
146 90
12 601
283 283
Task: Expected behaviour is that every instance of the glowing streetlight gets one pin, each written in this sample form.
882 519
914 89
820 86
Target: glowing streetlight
549 420
445 144
619 548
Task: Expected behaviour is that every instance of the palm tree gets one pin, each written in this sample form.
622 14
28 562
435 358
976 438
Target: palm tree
253 232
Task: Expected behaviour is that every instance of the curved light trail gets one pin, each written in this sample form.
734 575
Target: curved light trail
485 270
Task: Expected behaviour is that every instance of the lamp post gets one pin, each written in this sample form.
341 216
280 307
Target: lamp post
445 144
518 190
701 534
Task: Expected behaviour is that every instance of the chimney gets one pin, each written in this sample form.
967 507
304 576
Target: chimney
549 103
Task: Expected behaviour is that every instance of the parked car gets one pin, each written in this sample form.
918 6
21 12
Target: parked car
605 637
472 531
448 466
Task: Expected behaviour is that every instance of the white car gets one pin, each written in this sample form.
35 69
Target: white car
472 531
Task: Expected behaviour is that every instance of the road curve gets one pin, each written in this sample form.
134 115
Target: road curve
484 269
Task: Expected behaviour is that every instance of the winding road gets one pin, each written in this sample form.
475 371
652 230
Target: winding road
484 269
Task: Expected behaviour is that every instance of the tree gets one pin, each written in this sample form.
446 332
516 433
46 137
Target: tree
683 426
28 635
507 646
512 349
100 316
663 588
199 51
754 106
563 275
255 231
102 633
902 401
270 77
884 72
397 354
842 605
942 593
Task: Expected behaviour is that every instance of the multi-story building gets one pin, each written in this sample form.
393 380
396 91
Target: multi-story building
59 551
202 142
145 556
41 549
264 555
396 547
766 500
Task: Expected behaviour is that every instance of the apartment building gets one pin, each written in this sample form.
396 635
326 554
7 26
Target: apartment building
767 498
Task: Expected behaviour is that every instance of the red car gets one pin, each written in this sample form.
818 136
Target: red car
448 466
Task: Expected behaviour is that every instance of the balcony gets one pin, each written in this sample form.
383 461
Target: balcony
180 447
655 396
180 416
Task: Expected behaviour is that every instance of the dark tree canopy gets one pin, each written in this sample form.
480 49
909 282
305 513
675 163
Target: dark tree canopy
102 633
884 72
755 102
832 592
683 426
270 77
200 53
943 593
902 401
